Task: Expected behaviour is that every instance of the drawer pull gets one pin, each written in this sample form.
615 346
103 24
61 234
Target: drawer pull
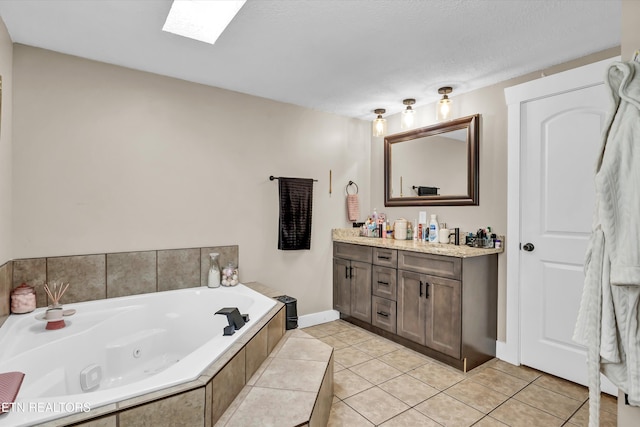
383 283
420 288
426 293
382 313
384 257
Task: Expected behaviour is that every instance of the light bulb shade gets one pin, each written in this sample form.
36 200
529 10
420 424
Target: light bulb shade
408 118
443 109
379 127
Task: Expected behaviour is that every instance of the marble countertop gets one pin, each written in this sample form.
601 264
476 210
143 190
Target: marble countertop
348 235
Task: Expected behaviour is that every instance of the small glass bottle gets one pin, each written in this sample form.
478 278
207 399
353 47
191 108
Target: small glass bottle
214 271
230 275
23 299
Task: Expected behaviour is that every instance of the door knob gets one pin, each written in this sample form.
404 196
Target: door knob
528 247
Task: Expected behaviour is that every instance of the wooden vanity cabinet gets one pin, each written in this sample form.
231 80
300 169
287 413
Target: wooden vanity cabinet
442 306
429 311
352 280
449 304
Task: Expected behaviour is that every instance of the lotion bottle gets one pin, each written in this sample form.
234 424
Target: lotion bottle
433 229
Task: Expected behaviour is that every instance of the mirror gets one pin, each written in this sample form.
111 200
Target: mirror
433 166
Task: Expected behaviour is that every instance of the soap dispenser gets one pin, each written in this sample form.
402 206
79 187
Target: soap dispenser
214 271
433 229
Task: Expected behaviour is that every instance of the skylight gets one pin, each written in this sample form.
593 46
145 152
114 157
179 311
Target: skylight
202 20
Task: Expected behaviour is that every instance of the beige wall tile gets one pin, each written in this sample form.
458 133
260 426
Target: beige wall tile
208 397
131 273
33 272
322 408
275 330
178 269
227 254
256 353
101 422
5 290
86 275
227 384
285 374
186 409
273 407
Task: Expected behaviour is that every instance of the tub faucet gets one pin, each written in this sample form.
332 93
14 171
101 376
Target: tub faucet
235 319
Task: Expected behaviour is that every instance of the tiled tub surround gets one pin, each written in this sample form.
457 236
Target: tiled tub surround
110 275
293 387
200 402
5 290
142 343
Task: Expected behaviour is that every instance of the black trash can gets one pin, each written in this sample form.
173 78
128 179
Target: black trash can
291 310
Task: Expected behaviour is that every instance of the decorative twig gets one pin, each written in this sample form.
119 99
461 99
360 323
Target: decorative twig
56 293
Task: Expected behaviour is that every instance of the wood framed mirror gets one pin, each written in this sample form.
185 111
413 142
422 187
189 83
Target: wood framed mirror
435 165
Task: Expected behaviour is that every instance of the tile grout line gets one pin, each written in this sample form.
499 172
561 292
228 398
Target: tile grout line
509 396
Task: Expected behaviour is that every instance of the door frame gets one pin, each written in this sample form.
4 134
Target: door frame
574 79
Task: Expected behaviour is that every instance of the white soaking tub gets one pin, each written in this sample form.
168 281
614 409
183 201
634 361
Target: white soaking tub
124 347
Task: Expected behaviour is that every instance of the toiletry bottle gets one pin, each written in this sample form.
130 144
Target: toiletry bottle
433 229
214 271
416 235
409 231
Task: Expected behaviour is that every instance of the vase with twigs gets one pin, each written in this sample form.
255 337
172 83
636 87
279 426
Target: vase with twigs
55 292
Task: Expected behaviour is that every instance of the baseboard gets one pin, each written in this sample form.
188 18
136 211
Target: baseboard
506 353
318 318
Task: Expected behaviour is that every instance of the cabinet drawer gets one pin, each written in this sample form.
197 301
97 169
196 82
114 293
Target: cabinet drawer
385 257
434 265
383 282
353 252
383 313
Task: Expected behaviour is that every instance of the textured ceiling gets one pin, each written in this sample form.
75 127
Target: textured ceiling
346 57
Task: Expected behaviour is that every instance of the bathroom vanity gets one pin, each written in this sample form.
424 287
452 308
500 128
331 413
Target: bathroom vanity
438 299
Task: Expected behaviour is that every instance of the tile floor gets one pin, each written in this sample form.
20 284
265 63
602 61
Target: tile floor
380 383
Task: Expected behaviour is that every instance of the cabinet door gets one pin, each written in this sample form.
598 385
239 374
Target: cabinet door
361 290
444 332
411 306
341 286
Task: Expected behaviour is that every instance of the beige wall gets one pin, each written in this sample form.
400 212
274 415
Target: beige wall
489 102
630 28
6 70
109 159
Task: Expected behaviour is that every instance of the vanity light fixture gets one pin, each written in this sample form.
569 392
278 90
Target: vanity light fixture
379 124
443 109
201 19
408 115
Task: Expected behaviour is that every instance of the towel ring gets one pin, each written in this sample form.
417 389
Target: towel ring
350 184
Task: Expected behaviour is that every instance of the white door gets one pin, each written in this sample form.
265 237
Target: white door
560 139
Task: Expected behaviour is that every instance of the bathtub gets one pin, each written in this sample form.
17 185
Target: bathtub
125 347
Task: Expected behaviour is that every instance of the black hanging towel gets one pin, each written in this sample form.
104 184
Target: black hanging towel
296 200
